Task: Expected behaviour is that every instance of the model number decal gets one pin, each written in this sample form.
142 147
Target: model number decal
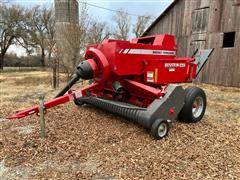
174 65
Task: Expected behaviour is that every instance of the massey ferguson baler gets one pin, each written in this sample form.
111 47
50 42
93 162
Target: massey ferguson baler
137 79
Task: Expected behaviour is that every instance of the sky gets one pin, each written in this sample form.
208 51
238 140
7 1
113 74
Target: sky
135 7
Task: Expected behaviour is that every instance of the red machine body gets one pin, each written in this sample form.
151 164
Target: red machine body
143 66
154 57
135 79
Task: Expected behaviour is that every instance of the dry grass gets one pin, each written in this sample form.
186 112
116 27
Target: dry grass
21 84
87 143
24 88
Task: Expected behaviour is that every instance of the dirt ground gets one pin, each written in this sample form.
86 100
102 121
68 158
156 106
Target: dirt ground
87 143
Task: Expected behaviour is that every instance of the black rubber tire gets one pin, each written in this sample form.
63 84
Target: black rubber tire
186 114
155 126
78 102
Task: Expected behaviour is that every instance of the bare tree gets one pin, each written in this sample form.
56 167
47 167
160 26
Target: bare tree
142 23
50 42
72 38
122 20
97 32
49 38
72 43
11 21
38 28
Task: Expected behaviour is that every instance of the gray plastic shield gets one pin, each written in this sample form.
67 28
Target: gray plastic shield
201 57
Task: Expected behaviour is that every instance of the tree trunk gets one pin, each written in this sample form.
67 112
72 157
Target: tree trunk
55 72
54 68
43 59
1 60
4 50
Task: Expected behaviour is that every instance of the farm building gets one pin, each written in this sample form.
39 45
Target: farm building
205 24
67 13
67 20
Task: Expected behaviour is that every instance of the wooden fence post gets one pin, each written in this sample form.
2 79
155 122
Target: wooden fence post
42 120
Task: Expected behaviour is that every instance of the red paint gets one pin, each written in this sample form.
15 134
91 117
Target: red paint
171 111
143 66
57 101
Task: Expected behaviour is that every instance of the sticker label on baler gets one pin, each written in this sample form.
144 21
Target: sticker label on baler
150 76
171 69
149 80
148 51
174 65
78 94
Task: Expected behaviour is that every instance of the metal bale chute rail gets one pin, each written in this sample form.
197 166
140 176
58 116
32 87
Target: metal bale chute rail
137 80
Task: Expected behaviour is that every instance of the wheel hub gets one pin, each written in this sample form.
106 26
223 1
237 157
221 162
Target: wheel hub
162 129
197 107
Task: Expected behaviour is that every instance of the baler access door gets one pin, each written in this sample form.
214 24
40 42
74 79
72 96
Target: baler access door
201 58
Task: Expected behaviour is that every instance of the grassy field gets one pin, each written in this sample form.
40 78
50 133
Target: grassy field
89 143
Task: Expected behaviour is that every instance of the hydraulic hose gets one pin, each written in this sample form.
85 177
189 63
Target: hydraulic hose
84 70
74 79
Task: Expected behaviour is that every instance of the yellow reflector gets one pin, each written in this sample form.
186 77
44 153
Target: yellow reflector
156 75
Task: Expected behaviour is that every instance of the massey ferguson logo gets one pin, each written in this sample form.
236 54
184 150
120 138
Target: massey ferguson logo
174 65
157 52
164 52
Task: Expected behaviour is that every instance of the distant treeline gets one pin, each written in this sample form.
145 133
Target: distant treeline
25 61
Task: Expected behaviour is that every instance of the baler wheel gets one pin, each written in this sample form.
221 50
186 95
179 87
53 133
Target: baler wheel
194 107
160 128
78 102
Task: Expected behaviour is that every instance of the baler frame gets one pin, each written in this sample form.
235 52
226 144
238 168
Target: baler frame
143 92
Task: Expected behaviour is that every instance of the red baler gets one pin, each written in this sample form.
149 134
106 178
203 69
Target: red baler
137 80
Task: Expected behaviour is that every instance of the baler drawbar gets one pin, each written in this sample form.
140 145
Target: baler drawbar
137 80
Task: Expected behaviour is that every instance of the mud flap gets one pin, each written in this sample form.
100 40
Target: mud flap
201 57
